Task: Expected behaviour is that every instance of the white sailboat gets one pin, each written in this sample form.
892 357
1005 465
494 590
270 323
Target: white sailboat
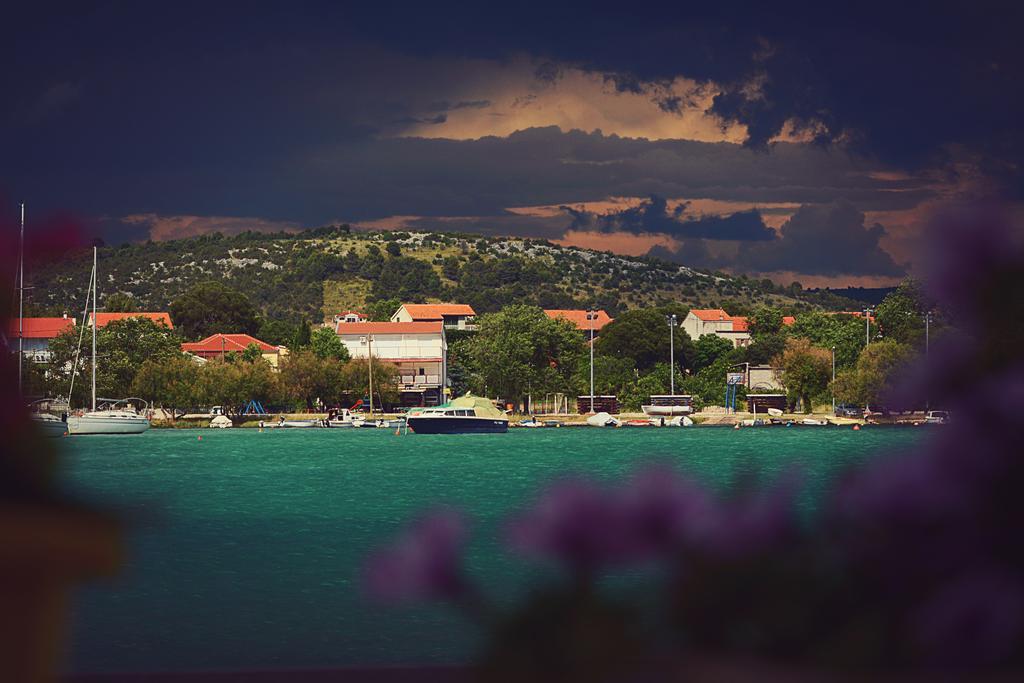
119 417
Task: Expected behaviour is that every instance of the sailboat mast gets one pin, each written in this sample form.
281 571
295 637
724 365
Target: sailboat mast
21 297
95 295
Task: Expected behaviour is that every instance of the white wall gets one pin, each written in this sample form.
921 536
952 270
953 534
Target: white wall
395 346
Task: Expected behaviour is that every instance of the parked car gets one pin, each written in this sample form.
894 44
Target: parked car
849 410
937 417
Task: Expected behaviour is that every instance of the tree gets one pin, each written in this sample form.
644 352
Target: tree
172 384
307 378
252 353
634 394
708 349
611 374
355 381
120 302
451 268
642 335
901 314
211 307
122 346
303 334
844 332
382 310
393 249
872 380
276 332
325 343
232 385
520 350
408 278
804 370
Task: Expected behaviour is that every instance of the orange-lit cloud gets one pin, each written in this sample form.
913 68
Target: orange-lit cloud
616 242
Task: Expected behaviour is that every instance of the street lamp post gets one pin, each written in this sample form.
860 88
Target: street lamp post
591 314
671 353
833 381
867 325
927 353
369 368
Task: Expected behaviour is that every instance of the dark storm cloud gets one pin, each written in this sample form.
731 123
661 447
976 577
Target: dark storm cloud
654 217
543 166
828 240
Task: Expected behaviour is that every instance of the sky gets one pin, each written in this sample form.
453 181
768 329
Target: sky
794 141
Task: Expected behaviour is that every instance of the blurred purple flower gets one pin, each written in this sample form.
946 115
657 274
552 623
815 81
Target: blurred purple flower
574 521
661 511
976 619
425 562
753 522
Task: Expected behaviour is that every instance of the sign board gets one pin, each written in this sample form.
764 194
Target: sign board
735 378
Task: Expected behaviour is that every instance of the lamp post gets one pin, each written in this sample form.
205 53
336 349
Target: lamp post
591 314
671 353
867 325
369 368
833 381
927 352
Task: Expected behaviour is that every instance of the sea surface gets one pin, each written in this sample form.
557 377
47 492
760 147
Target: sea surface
245 547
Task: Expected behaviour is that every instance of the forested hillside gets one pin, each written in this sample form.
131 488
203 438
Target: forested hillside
309 276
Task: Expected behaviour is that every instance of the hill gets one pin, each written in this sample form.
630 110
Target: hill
316 273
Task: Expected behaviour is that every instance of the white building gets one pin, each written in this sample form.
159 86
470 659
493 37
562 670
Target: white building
454 316
701 321
419 349
36 333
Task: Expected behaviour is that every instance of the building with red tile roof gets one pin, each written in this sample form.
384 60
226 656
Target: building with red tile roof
578 317
457 316
219 345
419 349
35 335
104 319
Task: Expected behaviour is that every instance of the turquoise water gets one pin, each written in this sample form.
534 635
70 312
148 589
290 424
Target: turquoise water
244 547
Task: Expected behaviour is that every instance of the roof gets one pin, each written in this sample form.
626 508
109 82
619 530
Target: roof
104 319
217 343
579 318
344 313
710 314
788 320
389 328
740 323
420 312
39 328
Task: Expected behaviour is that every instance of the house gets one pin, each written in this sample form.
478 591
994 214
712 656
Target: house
160 318
349 317
36 334
736 328
454 316
701 321
219 345
583 320
419 349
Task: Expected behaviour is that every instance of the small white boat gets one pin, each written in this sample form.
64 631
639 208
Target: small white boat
667 411
531 423
221 422
810 421
677 421
603 420
49 425
775 412
297 424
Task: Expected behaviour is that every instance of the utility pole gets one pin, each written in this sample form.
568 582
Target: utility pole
927 353
21 297
867 325
671 353
591 314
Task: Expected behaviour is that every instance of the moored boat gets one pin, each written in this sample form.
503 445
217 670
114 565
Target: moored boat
464 415
49 425
111 420
603 420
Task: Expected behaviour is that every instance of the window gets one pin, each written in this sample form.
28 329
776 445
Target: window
422 371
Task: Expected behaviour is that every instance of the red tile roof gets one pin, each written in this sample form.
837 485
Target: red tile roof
579 318
788 320
104 319
710 314
217 343
39 328
421 312
389 328
740 323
